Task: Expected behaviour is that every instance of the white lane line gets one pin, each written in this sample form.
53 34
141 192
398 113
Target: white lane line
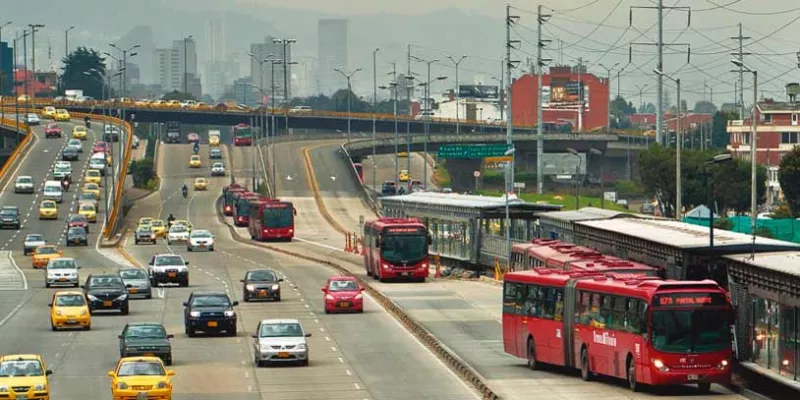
24 279
348 372
341 360
327 339
355 385
333 348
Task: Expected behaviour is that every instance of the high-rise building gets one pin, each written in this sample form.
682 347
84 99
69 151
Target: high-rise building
219 74
143 36
6 69
262 51
216 41
176 64
332 47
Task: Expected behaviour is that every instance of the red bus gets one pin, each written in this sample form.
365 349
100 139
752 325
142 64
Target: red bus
360 171
228 199
634 327
241 207
242 135
519 253
396 248
271 219
611 264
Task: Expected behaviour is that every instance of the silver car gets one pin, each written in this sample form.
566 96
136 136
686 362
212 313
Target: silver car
280 340
32 241
61 272
137 282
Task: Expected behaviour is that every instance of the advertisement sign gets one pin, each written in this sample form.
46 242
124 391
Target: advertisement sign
564 164
560 95
478 92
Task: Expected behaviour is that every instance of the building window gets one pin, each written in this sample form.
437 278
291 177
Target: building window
767 118
746 138
794 119
790 137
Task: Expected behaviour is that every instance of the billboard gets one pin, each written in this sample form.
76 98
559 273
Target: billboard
563 94
564 164
478 92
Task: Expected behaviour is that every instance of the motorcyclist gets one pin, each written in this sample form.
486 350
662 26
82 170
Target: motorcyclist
185 190
196 148
170 219
401 191
87 120
65 181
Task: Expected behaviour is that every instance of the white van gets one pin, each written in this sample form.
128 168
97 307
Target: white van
98 162
52 191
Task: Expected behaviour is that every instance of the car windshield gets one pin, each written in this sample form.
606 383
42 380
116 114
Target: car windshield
21 368
195 158
218 165
70 300
105 281
281 330
261 276
201 234
141 368
145 229
77 218
93 173
92 186
46 250
64 263
398 249
199 180
24 179
156 223
702 330
343 286
169 260
76 231
177 229
7 213
146 331
211 301
87 196
87 207
52 189
133 274
34 238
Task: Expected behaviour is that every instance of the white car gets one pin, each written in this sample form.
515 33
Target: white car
168 268
62 271
75 144
218 169
62 169
178 233
32 119
24 184
32 241
200 239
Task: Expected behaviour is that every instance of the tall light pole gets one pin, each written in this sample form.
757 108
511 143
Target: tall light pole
286 43
509 153
608 79
393 87
753 145
678 140
34 29
66 41
348 76
105 82
124 78
186 65
427 114
2 76
260 87
272 64
458 101
374 116
577 177
641 102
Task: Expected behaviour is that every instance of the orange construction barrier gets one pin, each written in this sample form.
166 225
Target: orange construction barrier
347 247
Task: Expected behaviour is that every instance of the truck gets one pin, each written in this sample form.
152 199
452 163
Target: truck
173 132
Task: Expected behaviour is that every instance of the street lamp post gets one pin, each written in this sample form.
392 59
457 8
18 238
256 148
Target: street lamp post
393 87
66 41
509 188
458 101
678 140
608 79
577 177
409 88
34 29
272 63
753 146
374 116
286 44
124 78
720 158
427 111
348 76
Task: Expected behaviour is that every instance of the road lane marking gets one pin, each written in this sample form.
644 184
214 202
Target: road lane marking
11 276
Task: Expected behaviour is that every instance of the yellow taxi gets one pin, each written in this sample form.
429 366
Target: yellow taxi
92 188
26 372
43 254
173 104
158 226
200 106
93 176
183 222
137 375
68 309
402 154
145 221
158 104
194 161
213 140
404 176
62 115
79 132
48 209
88 211
200 184
49 112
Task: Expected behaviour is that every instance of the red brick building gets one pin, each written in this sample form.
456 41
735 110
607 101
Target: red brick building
560 99
40 84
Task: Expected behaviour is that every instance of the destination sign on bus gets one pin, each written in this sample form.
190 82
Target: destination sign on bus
276 205
404 230
689 299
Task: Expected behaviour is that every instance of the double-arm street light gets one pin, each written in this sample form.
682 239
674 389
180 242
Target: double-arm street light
678 140
66 41
374 116
348 76
186 65
427 111
458 103
753 145
105 93
392 86
124 79
608 80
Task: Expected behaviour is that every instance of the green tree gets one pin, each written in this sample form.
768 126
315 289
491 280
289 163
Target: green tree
705 107
75 64
657 171
621 108
732 185
719 129
142 172
177 95
648 108
789 178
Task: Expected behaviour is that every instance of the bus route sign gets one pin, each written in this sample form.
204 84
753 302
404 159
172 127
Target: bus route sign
472 151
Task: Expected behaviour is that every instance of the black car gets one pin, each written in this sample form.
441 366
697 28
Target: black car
145 339
388 189
69 154
106 292
209 312
261 284
9 217
76 236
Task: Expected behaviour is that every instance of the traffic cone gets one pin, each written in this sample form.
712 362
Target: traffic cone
355 243
347 247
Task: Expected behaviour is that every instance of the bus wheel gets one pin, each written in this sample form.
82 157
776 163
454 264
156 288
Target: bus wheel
532 363
632 376
703 388
369 272
586 374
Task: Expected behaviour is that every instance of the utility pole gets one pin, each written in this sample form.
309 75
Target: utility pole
608 79
409 87
34 29
659 7
502 85
740 56
510 44
540 43
580 97
641 102
374 112
3 78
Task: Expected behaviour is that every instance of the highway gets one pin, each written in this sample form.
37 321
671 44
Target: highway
385 170
366 356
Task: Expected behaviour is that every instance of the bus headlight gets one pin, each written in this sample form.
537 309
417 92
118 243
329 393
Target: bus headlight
722 365
386 266
660 365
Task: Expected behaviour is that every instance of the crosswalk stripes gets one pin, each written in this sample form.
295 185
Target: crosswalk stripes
11 277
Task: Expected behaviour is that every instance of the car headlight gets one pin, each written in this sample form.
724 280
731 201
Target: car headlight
121 298
301 346
162 385
276 286
250 288
4 388
39 387
660 365
122 385
194 314
84 312
329 297
230 313
92 298
58 312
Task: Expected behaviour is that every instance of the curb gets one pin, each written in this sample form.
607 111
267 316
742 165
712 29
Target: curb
426 338
116 241
124 253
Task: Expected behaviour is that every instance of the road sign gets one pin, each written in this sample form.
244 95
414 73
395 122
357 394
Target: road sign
519 185
500 159
476 174
472 151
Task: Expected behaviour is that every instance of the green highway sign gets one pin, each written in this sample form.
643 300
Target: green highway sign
472 151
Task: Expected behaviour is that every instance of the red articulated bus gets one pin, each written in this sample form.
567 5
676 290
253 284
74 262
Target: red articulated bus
242 135
557 255
611 264
271 219
241 207
360 171
519 253
227 198
629 326
396 248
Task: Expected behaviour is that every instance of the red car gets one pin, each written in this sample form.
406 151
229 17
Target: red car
52 130
101 147
343 293
193 137
79 221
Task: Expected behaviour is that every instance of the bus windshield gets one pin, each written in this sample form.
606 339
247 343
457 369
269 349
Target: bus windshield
243 132
699 330
399 249
242 207
278 217
229 197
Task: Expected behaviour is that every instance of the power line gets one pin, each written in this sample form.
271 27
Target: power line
725 7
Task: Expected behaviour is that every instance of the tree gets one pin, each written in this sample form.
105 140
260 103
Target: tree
789 178
732 185
142 172
620 108
177 95
719 129
657 171
75 64
705 107
648 108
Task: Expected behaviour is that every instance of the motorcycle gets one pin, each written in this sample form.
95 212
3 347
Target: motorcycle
196 148
88 124
185 192
65 185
